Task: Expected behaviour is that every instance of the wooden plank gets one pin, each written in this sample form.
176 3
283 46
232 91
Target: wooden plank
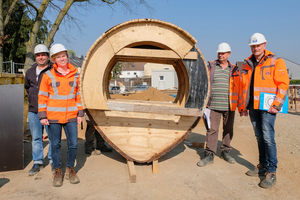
142 137
159 32
148 53
296 87
155 167
295 99
152 108
191 56
131 171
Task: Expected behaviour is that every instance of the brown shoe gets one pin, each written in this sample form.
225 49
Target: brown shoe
71 175
258 171
269 182
57 178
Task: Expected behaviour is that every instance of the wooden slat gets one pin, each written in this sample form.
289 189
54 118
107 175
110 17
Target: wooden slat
148 53
296 87
131 171
295 99
191 56
171 109
155 167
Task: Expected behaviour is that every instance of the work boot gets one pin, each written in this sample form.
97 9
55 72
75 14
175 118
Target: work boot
57 178
208 159
96 152
258 171
35 169
104 148
227 157
269 181
71 175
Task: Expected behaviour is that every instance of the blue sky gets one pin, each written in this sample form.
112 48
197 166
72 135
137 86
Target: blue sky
211 22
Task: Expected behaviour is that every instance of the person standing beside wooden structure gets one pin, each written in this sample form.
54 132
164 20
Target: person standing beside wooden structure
222 102
60 107
262 72
33 79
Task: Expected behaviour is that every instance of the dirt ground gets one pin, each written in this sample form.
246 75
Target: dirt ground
106 176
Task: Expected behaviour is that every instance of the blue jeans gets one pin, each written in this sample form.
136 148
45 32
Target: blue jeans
263 125
36 129
70 129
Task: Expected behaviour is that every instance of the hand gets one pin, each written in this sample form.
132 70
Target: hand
79 120
273 110
44 121
244 113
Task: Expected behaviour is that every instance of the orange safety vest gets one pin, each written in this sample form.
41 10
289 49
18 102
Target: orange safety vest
270 76
59 99
234 82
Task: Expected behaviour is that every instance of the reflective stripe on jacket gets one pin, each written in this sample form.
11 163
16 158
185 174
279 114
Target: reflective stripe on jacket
59 99
270 76
233 83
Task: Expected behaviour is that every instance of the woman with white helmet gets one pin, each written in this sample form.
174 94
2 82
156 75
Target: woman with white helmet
60 107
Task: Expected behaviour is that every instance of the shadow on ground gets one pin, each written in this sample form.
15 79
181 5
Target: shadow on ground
3 181
235 153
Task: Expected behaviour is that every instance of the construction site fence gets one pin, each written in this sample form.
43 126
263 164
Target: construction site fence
12 67
294 96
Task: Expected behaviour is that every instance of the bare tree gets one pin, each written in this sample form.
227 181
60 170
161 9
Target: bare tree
63 12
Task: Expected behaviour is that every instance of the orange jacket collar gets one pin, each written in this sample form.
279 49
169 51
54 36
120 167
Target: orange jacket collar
70 66
267 53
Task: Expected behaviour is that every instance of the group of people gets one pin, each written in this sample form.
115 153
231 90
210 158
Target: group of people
54 103
231 88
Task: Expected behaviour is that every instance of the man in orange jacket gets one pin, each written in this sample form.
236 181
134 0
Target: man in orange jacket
222 102
262 72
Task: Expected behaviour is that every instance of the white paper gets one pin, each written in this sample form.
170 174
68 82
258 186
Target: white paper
206 115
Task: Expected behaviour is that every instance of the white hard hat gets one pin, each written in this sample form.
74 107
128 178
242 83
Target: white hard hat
223 47
40 48
56 48
257 38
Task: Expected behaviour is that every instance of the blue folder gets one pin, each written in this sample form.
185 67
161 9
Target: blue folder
266 100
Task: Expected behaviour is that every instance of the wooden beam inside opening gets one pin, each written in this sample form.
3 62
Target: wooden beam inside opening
148 53
164 108
191 56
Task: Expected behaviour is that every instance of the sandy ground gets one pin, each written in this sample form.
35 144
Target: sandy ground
106 176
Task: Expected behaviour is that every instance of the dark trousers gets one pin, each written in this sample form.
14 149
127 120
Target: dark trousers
90 134
213 132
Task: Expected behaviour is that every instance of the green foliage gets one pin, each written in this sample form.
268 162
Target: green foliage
18 29
295 82
72 52
117 70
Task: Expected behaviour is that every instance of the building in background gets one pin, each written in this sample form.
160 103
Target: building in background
164 79
293 69
132 70
148 67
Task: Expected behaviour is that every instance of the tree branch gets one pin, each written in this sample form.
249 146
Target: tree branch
9 12
109 2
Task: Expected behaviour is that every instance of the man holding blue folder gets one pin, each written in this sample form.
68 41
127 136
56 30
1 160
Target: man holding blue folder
263 73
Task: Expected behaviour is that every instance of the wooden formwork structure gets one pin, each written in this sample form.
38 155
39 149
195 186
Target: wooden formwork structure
143 131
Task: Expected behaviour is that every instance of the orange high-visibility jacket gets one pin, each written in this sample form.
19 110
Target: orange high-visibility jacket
233 83
59 99
270 76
